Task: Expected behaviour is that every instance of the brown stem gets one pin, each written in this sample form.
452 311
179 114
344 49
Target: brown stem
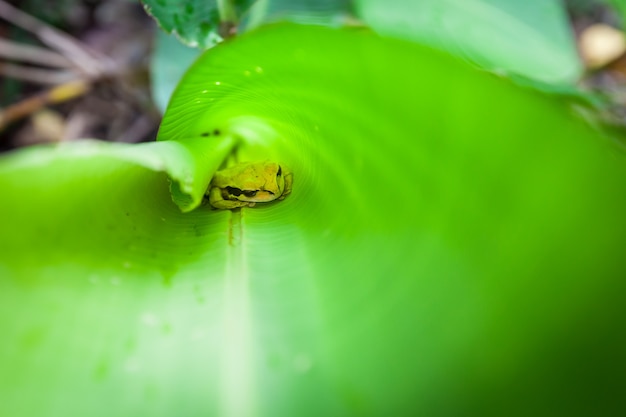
58 94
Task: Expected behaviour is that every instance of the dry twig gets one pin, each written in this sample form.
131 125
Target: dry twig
56 94
32 54
72 67
36 75
87 61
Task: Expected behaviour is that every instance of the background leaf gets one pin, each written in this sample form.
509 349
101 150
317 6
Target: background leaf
195 22
452 246
530 38
170 60
620 7
321 12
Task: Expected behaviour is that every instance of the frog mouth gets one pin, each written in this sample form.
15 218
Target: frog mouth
260 196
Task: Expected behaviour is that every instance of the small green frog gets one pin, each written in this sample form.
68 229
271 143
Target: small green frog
248 183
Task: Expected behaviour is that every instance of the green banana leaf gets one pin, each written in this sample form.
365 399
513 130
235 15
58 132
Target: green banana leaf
453 245
531 38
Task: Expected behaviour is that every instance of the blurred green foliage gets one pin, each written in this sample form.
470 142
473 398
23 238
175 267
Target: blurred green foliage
170 61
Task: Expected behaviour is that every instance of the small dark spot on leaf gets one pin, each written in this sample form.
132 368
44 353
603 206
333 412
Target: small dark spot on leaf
205 134
216 132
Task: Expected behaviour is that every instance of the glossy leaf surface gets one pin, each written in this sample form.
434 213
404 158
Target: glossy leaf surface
452 246
529 38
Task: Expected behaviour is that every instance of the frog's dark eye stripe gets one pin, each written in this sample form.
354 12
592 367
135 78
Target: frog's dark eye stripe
234 191
238 191
280 171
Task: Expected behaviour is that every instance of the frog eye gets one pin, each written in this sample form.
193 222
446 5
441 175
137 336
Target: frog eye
249 193
280 171
234 191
